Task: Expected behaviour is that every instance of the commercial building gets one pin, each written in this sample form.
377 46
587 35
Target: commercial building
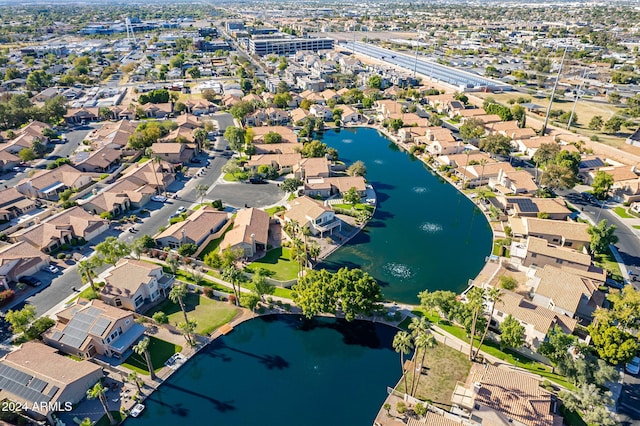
287 46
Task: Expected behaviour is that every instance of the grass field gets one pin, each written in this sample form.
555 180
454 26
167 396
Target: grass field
622 212
160 351
443 367
608 262
209 314
278 261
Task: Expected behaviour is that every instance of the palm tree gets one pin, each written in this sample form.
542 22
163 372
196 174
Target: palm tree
419 326
494 295
177 295
99 391
314 251
233 275
188 329
156 161
423 342
133 377
86 422
87 269
483 162
402 344
475 298
199 135
142 348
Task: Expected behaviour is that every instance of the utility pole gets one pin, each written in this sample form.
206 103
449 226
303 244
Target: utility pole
575 101
415 64
553 93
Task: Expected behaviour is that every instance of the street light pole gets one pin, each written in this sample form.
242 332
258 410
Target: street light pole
553 93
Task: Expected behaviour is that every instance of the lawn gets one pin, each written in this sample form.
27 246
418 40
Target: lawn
104 420
213 244
443 368
622 212
359 206
636 226
160 351
608 262
143 159
275 209
278 261
209 314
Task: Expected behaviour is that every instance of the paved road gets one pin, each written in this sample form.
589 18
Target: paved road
629 402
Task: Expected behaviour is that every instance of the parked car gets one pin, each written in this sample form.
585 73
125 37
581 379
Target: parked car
257 180
633 366
32 281
159 198
53 269
181 209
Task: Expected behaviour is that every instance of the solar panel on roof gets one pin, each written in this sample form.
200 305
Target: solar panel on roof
100 326
37 384
526 206
93 312
56 335
52 391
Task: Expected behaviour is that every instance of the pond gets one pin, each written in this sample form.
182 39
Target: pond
284 370
425 234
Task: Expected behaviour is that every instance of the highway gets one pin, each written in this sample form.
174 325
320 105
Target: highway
461 79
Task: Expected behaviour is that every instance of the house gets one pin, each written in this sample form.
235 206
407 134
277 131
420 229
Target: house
480 174
36 376
409 134
114 135
179 135
157 110
288 135
312 168
198 107
590 163
626 182
14 204
81 115
8 160
195 229
540 253
536 320
350 115
298 115
100 161
529 146
131 284
461 160
276 116
566 292
250 232
48 184
502 396
440 141
87 329
552 208
172 152
513 183
18 260
61 228
321 111
312 214
188 121
282 162
325 187
107 201
256 118
558 232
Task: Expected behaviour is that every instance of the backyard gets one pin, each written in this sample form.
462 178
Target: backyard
213 244
160 351
443 367
608 262
277 261
209 314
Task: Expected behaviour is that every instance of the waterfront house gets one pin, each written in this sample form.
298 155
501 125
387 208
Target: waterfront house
513 182
540 253
321 111
503 396
325 187
250 232
61 228
288 135
132 284
566 292
480 174
38 377
298 115
312 168
349 114
409 134
312 214
90 328
47 184
558 232
529 146
18 260
536 320
195 229
553 208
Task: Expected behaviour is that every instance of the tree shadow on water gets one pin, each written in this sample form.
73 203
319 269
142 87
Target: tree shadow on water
222 406
272 362
175 408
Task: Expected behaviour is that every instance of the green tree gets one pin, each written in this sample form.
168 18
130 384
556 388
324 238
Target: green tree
187 249
421 332
241 109
591 403
626 305
511 333
612 344
471 130
234 276
351 196
282 100
194 72
375 82
27 154
596 122
601 236
556 347
357 169
20 319
160 318
272 137
235 136
99 391
496 144
137 380
403 344
142 348
613 124
87 270
395 124
558 176
546 153
519 114
38 327
188 330
493 296
249 301
261 286
441 300
202 190
601 185
475 302
314 149
291 184
177 295
111 250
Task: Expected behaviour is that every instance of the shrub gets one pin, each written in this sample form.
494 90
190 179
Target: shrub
401 407
38 327
21 286
6 296
208 292
232 299
508 283
61 256
106 215
160 317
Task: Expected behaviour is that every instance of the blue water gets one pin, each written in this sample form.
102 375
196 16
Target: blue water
281 370
424 235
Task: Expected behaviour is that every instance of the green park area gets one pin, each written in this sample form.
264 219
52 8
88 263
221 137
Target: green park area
278 263
159 350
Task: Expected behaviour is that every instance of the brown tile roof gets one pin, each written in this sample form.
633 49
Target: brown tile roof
107 200
64 174
19 257
247 222
344 183
542 319
538 141
167 147
621 173
433 419
127 276
197 226
303 209
288 135
10 196
541 246
516 395
103 157
314 166
188 121
564 288
283 160
575 231
298 114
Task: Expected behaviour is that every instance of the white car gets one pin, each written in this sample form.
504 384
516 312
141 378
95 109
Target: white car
53 269
137 410
159 198
181 209
633 366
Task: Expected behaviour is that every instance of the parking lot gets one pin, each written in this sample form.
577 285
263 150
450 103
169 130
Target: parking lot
245 194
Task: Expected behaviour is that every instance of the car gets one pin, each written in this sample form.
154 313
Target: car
17 169
131 229
32 281
53 269
137 410
159 198
181 209
175 196
257 180
633 366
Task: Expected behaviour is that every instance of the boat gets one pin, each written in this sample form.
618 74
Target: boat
137 409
